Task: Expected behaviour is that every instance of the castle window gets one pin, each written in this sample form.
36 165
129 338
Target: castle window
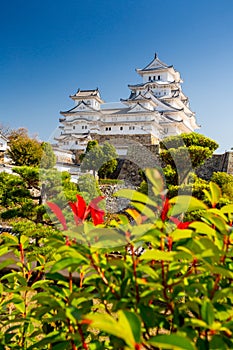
108 128
88 102
82 126
149 78
73 126
158 77
121 128
85 126
131 127
154 77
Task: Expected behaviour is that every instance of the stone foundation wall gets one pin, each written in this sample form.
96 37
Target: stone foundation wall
114 204
124 140
218 162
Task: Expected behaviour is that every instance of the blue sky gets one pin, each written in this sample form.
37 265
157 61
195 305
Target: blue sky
49 49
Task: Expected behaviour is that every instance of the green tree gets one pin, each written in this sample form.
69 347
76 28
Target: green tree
23 194
183 153
93 157
88 187
110 160
48 159
24 150
101 159
225 182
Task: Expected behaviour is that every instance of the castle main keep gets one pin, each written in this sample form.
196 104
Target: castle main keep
156 108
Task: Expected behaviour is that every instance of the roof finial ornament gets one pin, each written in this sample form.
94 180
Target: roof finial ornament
155 55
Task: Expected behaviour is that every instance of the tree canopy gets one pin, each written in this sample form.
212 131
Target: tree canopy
101 159
183 153
24 150
48 159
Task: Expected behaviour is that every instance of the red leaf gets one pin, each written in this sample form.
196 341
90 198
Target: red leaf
57 211
79 209
97 216
81 206
179 224
166 207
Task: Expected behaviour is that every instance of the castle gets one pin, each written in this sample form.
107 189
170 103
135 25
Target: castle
156 108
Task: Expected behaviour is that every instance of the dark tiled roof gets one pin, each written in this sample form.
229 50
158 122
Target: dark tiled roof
8 229
152 82
81 102
86 93
153 69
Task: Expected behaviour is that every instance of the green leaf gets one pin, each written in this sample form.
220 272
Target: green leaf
132 325
183 204
20 306
217 221
141 229
6 263
214 194
157 255
171 342
65 263
202 227
148 315
41 284
63 345
128 326
3 250
156 179
107 324
13 239
217 343
24 240
106 237
207 312
221 271
227 209
135 196
144 210
181 234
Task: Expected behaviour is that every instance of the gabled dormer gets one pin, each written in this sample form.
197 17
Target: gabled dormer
91 98
157 70
81 107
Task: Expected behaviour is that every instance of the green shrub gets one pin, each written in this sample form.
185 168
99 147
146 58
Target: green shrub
100 291
110 182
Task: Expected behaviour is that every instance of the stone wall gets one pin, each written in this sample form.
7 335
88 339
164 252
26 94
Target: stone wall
218 162
144 139
114 204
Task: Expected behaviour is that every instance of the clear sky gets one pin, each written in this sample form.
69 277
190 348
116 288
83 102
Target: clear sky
51 48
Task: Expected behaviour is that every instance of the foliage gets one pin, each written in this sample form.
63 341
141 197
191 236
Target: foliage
48 159
22 195
101 159
110 160
194 187
101 290
191 139
183 153
24 150
110 182
88 187
225 182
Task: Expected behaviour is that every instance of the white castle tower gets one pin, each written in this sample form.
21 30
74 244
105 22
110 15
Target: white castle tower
155 109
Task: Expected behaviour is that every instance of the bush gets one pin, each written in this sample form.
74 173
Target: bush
102 291
225 182
110 182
